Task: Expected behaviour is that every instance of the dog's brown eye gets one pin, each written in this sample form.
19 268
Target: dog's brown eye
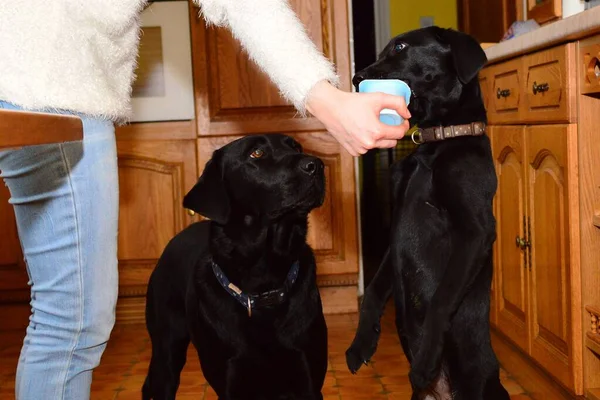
258 153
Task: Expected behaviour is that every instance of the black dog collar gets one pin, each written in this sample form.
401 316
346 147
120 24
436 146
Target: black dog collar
439 133
250 301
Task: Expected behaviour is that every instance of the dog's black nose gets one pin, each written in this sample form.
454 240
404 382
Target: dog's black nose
311 165
358 78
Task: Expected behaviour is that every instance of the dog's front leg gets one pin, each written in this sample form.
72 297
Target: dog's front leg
369 328
469 211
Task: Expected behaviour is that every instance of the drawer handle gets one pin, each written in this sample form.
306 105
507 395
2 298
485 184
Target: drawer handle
503 93
542 87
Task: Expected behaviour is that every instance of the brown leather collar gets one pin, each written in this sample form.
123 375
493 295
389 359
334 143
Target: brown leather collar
439 133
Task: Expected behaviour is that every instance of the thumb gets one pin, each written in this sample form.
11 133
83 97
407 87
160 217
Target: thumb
397 103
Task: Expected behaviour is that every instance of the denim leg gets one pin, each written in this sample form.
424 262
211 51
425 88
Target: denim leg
66 202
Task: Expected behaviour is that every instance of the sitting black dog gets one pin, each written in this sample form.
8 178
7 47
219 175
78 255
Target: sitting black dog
242 287
439 262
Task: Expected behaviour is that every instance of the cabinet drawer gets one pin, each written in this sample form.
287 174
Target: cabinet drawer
589 61
505 96
549 85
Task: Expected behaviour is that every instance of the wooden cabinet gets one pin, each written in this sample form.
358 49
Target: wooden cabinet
474 18
537 265
537 88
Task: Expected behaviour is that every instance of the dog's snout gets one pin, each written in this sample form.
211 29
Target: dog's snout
311 166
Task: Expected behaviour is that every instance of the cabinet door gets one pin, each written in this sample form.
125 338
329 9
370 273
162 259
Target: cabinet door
510 260
553 209
153 178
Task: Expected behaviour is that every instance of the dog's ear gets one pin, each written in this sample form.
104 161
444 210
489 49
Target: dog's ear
468 55
209 195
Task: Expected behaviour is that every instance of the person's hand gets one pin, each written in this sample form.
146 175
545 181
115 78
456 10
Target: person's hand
353 118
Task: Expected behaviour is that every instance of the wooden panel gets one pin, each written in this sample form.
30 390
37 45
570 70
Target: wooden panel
544 11
511 261
23 128
153 177
505 97
589 65
532 377
485 83
234 97
13 276
332 227
473 18
589 203
549 86
553 210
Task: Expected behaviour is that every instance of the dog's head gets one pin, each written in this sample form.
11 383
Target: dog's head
438 64
264 176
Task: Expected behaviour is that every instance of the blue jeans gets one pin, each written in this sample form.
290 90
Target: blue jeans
65 198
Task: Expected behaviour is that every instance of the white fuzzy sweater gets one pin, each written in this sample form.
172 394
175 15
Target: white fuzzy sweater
80 55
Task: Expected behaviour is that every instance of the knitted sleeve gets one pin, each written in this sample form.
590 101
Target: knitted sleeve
276 41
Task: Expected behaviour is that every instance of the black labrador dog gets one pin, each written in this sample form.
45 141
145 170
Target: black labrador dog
242 286
439 262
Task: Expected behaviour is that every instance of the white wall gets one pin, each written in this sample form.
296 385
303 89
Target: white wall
571 7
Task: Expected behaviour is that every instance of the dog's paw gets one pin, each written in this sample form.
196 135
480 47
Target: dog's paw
363 347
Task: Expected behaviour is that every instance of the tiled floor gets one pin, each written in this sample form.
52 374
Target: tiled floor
123 368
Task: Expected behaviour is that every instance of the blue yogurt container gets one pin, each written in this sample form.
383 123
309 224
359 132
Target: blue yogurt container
390 86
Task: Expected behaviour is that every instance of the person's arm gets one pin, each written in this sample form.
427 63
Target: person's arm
277 42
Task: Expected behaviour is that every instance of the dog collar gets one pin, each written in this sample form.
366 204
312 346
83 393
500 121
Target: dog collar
438 133
265 299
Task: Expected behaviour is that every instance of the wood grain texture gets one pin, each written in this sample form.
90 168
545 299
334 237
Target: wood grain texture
153 177
505 95
23 128
511 262
556 68
535 380
173 130
544 12
555 290
589 204
234 97
588 65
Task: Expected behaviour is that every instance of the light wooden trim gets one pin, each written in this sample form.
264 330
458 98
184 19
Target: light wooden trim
24 128
157 130
596 220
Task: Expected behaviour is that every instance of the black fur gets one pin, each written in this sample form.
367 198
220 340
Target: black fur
258 209
439 262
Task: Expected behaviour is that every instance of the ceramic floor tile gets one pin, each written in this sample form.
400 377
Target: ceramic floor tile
124 365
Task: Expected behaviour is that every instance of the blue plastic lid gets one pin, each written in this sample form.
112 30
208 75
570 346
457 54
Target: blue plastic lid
394 87
390 86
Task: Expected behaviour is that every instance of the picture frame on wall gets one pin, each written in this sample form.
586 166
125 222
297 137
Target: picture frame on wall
544 11
163 89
